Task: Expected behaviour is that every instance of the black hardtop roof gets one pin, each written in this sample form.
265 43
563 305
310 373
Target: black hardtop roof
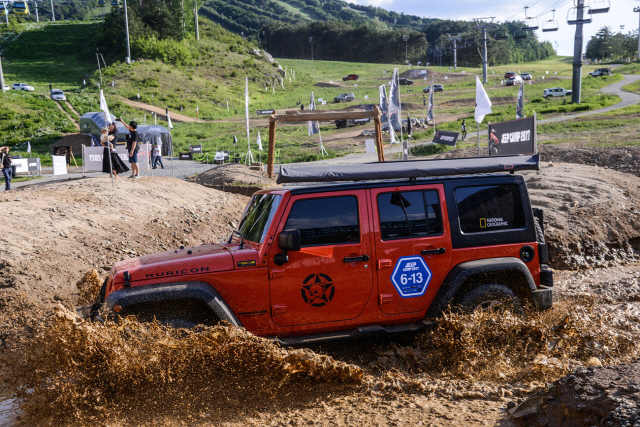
485 179
408 169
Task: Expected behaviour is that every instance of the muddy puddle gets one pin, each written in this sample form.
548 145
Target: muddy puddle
8 411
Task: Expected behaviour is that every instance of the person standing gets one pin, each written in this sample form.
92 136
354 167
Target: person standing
464 129
132 146
116 165
5 160
157 155
424 100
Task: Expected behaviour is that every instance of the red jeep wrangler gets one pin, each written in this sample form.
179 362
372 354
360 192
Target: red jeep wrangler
335 260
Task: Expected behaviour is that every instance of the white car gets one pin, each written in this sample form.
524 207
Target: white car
58 95
22 86
556 91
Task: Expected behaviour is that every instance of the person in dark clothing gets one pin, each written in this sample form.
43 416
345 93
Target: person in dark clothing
117 165
301 107
424 100
132 147
464 129
5 160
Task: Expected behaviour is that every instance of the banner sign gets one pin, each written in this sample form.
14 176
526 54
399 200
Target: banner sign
185 156
21 165
513 137
195 148
417 73
59 165
34 164
445 137
93 157
263 112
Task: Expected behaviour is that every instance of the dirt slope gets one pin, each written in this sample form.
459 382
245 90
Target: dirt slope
59 231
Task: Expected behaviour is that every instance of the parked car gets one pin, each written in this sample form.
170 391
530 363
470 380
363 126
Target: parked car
601 72
406 82
516 80
555 91
526 76
345 123
350 77
58 95
344 97
509 74
436 88
468 243
22 86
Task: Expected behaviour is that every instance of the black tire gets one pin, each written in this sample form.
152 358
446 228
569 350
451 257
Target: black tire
177 323
539 232
491 297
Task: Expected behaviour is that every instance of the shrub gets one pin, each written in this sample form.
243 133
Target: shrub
166 50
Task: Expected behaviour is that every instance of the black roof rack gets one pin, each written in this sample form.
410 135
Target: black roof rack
411 170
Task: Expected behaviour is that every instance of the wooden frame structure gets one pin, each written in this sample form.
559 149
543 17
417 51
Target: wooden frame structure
323 116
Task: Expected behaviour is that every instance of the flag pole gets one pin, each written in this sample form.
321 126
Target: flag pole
399 107
433 108
478 139
106 122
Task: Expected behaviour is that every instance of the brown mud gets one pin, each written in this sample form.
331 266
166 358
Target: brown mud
235 178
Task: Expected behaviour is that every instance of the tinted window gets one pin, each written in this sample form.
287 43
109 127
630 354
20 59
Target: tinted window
409 214
325 221
489 208
258 216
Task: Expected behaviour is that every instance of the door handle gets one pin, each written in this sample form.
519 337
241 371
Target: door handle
438 251
349 259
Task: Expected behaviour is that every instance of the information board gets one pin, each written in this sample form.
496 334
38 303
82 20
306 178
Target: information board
513 137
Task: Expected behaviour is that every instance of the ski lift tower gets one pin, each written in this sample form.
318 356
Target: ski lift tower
483 24
455 38
578 16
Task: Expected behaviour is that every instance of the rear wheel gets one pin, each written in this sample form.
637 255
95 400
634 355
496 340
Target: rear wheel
491 297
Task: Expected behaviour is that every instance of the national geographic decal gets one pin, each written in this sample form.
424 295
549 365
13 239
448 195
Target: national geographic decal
493 222
514 137
318 290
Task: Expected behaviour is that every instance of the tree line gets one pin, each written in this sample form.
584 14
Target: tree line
607 45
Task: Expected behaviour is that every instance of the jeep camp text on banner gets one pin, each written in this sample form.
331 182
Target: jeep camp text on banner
514 137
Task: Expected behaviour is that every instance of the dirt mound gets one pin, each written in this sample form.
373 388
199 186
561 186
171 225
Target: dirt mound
235 178
592 214
591 396
621 159
60 231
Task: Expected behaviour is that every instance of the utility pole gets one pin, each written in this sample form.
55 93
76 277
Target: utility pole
99 69
195 12
637 10
455 54
311 41
576 81
1 76
406 42
53 12
126 26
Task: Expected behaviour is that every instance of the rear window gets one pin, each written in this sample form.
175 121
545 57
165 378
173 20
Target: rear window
325 221
406 214
490 208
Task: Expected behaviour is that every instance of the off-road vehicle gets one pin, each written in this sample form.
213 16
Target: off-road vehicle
405 81
344 97
386 251
350 77
600 72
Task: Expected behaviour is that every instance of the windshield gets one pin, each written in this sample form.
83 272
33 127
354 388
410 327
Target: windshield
258 216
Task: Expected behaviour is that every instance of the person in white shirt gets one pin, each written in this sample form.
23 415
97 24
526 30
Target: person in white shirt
157 155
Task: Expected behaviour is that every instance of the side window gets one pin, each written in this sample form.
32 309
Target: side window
325 221
406 214
490 208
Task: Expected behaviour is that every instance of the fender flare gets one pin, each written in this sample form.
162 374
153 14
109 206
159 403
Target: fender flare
463 271
174 291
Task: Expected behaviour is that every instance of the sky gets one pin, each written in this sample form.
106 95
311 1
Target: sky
621 13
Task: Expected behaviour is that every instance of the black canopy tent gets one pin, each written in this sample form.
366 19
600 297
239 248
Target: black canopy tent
92 123
411 169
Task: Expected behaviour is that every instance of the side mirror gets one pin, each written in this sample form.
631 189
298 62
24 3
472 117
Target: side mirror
288 240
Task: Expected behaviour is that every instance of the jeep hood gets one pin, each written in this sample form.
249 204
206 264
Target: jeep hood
179 262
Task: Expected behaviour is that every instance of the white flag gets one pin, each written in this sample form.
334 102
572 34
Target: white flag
313 126
259 141
483 103
28 146
103 107
169 125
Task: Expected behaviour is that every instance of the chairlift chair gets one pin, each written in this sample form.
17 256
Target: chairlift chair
20 8
519 35
599 6
500 35
551 24
572 16
530 23
3 9
101 3
115 3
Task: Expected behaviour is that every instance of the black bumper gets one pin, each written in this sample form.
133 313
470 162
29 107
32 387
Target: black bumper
542 298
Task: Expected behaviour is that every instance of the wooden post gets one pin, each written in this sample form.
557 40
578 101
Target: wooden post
272 146
378 127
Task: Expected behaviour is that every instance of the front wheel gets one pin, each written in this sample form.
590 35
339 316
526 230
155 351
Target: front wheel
491 297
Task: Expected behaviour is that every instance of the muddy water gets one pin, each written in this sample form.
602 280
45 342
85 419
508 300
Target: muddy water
8 411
